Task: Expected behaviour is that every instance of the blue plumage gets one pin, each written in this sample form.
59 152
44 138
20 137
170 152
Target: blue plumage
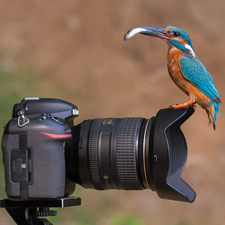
194 71
216 112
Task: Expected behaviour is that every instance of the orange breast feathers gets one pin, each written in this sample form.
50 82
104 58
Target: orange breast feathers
176 75
178 78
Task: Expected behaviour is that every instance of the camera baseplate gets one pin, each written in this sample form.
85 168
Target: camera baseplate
27 212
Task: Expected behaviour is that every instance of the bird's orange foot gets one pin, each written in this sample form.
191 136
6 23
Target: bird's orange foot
186 104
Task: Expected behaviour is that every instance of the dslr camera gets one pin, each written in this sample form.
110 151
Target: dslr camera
45 155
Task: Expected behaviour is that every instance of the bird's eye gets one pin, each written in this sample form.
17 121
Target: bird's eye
176 34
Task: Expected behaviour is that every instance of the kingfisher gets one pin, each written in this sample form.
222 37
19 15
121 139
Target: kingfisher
185 69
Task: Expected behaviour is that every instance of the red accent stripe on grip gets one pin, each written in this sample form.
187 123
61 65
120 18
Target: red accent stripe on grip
56 136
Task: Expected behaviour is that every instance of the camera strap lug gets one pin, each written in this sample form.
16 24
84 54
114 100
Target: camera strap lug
22 120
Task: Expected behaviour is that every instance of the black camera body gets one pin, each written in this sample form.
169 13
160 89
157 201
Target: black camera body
33 149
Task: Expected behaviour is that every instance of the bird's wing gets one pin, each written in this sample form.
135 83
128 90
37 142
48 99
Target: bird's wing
194 71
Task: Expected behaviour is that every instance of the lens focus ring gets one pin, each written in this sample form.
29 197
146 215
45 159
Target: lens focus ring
127 153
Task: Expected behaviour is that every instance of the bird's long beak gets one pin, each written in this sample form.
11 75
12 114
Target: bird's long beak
150 31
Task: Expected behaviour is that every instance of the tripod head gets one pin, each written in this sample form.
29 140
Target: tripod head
27 212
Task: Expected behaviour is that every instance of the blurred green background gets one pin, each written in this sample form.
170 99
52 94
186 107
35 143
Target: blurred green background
74 50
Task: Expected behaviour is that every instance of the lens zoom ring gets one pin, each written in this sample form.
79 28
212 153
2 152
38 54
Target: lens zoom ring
126 153
93 154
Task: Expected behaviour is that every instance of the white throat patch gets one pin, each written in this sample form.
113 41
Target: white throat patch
191 49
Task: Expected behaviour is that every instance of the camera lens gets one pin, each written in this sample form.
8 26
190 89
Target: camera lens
111 153
131 154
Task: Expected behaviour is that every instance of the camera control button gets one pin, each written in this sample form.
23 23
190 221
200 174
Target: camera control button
31 98
75 112
67 131
44 116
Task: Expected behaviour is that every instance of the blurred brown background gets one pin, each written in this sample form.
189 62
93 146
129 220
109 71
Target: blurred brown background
74 50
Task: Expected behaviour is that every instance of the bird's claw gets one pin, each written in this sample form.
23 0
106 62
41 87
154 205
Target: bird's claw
184 105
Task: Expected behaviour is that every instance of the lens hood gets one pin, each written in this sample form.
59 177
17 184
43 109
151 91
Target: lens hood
170 155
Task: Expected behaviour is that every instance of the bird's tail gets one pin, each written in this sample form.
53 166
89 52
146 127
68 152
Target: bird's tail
213 111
